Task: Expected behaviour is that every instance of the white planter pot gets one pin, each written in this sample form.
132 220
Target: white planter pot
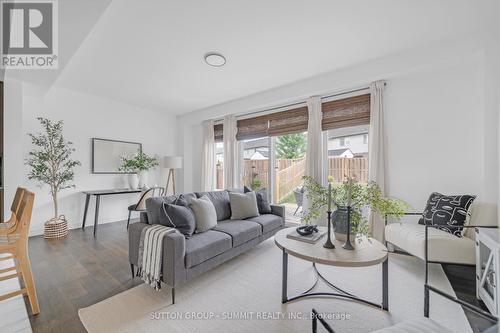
133 181
143 179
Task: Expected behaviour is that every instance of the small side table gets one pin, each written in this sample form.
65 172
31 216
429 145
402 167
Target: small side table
487 267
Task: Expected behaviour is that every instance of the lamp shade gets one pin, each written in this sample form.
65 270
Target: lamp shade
172 162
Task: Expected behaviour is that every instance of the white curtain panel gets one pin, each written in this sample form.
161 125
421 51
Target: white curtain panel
208 157
377 151
314 153
231 153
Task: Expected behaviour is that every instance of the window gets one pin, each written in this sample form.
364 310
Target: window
365 139
348 155
256 159
344 141
290 167
219 157
273 154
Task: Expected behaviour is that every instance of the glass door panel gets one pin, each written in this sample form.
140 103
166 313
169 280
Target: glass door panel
289 168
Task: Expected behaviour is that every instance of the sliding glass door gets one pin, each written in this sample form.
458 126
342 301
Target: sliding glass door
256 163
290 166
348 153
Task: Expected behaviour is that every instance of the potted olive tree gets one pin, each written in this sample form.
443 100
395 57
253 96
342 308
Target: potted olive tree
360 198
51 164
140 164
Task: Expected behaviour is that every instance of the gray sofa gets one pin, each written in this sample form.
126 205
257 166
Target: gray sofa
184 259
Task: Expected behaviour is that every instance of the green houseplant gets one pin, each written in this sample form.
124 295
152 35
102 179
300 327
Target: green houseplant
359 196
140 163
51 164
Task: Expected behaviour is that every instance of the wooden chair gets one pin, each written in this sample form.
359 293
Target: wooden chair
140 206
14 241
14 208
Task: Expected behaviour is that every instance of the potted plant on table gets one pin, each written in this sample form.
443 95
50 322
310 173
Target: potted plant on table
350 193
140 164
50 163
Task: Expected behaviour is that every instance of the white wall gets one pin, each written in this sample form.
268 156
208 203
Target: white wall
435 120
435 129
85 116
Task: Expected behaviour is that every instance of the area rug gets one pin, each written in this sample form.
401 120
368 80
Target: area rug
244 295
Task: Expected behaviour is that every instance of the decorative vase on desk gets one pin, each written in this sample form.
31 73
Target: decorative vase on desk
133 181
143 179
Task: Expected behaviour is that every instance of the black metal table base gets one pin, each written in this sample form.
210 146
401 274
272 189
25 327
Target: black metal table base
340 292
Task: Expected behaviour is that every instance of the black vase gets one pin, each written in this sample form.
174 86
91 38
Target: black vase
340 220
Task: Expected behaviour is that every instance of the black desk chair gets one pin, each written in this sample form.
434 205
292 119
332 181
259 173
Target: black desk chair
140 206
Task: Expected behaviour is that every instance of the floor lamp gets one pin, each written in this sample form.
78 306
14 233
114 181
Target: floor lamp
171 163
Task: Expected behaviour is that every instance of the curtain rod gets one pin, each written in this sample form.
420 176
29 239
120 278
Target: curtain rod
299 103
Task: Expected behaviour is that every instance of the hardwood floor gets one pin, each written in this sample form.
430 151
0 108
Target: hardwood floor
463 280
77 272
82 270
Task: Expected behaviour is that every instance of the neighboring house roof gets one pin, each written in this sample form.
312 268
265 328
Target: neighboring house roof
260 155
345 152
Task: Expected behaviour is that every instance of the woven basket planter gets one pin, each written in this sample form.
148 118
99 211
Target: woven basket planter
56 228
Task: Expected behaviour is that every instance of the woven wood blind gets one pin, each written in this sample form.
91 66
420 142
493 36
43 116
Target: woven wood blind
218 133
288 122
252 128
346 112
273 124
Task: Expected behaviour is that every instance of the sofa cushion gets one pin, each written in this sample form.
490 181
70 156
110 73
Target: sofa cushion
448 211
241 231
178 217
204 213
154 207
185 199
220 199
268 222
243 205
443 246
203 246
262 201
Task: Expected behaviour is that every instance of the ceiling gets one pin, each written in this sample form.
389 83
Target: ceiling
150 53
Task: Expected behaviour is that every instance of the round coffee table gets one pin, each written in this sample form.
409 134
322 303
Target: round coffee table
368 252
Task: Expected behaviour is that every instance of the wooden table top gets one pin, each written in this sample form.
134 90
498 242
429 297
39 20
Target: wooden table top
368 251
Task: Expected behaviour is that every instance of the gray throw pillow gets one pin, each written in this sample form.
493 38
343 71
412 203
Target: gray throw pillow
220 199
204 213
178 217
262 202
243 206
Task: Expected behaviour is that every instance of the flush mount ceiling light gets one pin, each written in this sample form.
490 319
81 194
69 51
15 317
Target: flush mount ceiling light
215 59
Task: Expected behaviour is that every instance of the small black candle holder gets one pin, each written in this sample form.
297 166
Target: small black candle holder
348 245
328 244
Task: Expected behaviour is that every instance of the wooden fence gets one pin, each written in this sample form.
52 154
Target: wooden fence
289 173
342 167
289 178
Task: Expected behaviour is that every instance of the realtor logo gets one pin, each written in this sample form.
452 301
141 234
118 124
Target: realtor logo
29 34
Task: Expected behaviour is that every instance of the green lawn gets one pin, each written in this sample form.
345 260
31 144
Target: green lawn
290 198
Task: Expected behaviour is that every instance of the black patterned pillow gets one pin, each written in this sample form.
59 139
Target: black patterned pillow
447 211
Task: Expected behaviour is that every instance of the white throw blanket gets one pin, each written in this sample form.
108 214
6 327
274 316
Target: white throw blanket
150 254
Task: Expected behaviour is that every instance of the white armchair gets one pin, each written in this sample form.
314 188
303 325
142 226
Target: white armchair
444 247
